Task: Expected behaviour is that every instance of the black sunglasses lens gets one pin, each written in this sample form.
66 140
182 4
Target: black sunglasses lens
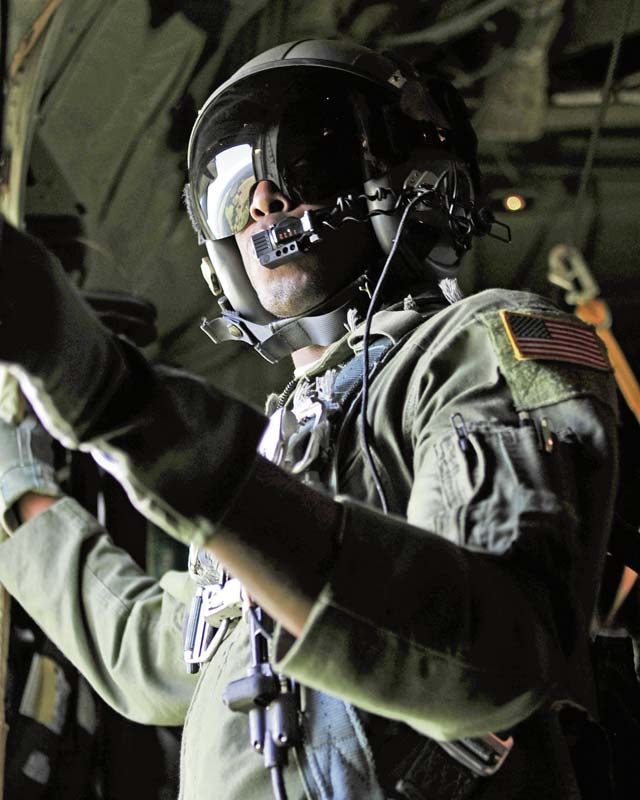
319 150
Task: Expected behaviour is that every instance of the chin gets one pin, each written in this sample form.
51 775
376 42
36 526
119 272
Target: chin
289 295
288 306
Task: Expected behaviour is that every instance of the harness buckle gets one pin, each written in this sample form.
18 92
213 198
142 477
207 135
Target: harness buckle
211 611
220 602
483 755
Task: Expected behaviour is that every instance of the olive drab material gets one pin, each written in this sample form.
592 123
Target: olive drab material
470 604
34 42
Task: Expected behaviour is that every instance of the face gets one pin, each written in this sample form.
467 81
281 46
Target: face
296 286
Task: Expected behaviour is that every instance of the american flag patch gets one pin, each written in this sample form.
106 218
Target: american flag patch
554 339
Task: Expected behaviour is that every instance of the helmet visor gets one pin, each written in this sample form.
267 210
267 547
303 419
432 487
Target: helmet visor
300 132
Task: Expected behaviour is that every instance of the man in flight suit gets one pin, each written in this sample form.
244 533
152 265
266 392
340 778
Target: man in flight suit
431 572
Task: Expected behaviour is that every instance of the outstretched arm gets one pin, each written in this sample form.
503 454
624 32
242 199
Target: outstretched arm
441 602
119 627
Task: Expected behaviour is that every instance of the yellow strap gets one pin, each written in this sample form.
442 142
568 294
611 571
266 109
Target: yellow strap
596 312
569 271
627 581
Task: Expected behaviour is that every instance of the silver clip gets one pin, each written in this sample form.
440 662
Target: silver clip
208 620
318 435
272 446
569 271
222 602
483 755
197 634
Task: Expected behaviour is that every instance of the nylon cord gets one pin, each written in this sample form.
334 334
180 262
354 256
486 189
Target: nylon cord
277 783
598 122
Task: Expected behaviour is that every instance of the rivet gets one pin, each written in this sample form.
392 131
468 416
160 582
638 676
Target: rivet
209 274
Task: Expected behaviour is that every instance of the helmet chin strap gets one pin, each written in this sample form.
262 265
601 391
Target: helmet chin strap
322 325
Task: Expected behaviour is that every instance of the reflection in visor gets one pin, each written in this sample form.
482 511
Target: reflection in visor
296 129
225 203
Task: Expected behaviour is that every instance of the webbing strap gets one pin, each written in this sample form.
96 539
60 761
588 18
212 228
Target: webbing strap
596 312
569 271
349 379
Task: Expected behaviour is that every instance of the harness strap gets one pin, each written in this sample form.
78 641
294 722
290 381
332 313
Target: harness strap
596 312
422 768
568 270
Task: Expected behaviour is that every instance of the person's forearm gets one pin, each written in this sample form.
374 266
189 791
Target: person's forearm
115 624
387 599
282 564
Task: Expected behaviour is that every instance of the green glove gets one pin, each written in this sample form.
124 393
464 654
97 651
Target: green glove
70 367
26 465
181 449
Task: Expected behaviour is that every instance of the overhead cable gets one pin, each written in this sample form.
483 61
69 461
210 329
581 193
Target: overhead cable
599 120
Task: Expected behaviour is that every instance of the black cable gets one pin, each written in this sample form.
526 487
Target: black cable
599 120
277 783
259 626
364 396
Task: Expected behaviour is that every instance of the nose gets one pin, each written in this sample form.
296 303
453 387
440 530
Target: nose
267 199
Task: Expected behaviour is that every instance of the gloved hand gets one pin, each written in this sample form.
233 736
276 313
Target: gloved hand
181 449
26 465
69 365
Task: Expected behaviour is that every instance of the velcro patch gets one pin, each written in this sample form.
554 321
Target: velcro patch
537 380
535 336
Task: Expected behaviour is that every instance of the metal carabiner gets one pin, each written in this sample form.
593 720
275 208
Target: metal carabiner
569 271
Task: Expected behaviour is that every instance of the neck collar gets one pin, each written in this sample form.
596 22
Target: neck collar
322 325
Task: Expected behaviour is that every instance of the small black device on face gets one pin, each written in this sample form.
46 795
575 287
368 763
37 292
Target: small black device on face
428 193
289 236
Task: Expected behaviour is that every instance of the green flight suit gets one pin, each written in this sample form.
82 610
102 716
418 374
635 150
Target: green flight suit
465 610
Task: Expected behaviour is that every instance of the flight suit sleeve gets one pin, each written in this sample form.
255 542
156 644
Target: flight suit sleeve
474 610
117 625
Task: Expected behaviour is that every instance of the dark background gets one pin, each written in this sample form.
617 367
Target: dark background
120 82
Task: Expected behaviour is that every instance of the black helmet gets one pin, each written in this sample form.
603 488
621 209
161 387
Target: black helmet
321 119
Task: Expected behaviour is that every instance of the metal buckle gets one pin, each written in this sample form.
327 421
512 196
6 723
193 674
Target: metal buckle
272 446
483 755
213 606
220 602
197 633
569 271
